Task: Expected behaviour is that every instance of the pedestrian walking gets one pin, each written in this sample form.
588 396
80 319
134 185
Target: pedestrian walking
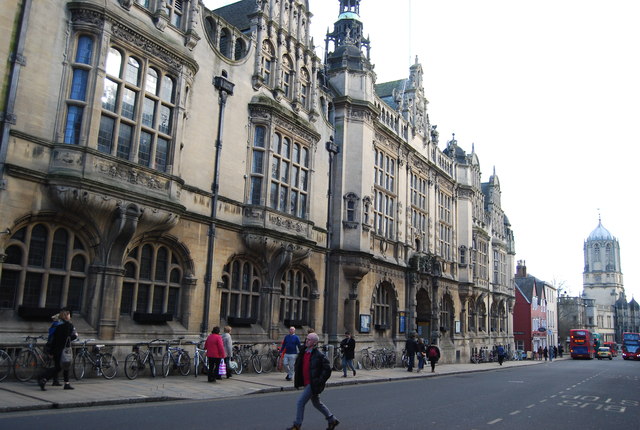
291 346
433 355
56 321
62 337
501 354
421 353
312 370
227 342
540 352
551 354
411 347
545 353
215 353
348 348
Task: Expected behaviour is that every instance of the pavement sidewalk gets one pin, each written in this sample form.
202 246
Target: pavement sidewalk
96 391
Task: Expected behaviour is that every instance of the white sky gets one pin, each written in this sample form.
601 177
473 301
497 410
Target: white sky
549 92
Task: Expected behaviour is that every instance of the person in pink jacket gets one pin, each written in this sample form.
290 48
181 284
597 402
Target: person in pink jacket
215 353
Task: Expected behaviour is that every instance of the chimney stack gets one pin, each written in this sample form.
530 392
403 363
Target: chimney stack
521 269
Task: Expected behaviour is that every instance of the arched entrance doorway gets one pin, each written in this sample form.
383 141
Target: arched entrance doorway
423 313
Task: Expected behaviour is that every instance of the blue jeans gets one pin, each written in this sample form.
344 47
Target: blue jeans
305 396
420 361
347 362
289 364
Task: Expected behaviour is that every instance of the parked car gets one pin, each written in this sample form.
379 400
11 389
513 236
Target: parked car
604 352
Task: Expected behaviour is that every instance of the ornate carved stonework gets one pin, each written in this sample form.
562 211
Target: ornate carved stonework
287 223
130 175
85 16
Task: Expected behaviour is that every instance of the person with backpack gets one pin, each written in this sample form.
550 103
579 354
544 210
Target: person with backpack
62 337
433 355
501 354
348 348
47 348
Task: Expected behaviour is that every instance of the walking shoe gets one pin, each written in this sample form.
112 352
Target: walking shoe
288 378
344 376
354 372
68 387
294 427
333 424
56 384
41 383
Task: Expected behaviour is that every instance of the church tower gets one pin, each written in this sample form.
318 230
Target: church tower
602 277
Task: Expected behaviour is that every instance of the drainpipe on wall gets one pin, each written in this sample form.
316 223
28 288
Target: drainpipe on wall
17 59
225 89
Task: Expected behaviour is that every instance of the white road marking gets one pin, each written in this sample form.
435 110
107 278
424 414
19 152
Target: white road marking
497 420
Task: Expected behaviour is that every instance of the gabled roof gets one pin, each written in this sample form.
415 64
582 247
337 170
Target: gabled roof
527 284
385 91
237 14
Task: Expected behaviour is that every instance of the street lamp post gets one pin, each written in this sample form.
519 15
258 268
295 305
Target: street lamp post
333 150
225 89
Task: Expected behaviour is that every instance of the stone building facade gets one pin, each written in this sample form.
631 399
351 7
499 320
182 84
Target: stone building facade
166 168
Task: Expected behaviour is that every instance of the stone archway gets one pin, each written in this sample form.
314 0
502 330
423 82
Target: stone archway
423 313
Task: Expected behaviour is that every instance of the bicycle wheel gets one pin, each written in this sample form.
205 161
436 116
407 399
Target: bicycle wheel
235 362
198 365
256 364
377 362
79 366
366 362
337 363
25 365
5 365
184 363
267 362
167 363
108 366
152 365
131 366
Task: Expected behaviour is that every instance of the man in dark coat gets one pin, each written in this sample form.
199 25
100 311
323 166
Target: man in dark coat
312 370
411 347
65 332
348 347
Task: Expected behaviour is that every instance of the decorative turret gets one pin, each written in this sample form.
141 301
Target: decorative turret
348 41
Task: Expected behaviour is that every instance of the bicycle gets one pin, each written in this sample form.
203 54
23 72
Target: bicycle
269 359
245 354
5 364
30 359
137 360
176 358
200 361
105 364
366 359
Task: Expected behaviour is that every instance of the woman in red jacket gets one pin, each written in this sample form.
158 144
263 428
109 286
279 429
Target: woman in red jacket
215 353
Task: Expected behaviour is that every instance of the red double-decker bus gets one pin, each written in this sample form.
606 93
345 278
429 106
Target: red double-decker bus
581 344
631 346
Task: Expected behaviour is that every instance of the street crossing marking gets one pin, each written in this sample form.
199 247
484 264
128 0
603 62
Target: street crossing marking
497 420
514 413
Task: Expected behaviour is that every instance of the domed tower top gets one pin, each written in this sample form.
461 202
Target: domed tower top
348 40
600 233
602 276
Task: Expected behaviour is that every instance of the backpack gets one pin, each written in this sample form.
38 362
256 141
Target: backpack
433 353
52 331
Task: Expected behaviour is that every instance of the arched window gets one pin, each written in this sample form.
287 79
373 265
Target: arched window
304 88
494 317
76 101
50 262
240 49
287 75
447 313
267 62
502 315
225 43
482 316
471 315
294 298
240 290
152 281
382 306
138 104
